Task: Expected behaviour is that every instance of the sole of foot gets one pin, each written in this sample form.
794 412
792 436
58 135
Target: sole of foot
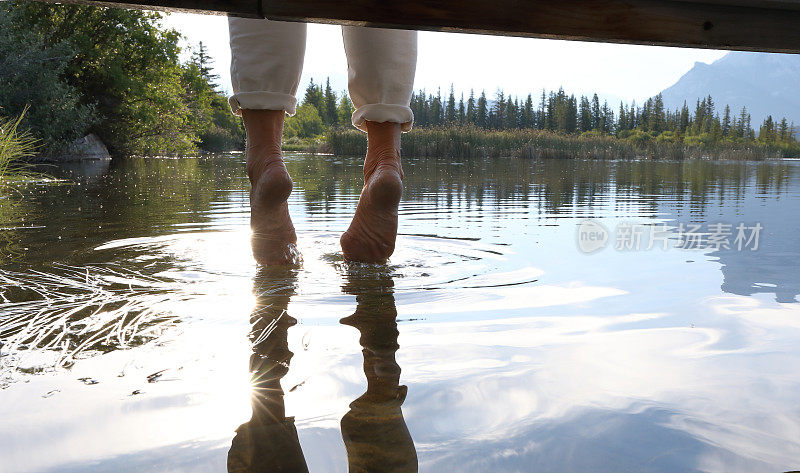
373 231
274 240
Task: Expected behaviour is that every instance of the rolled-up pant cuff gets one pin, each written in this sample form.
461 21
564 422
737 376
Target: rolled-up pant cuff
262 101
381 112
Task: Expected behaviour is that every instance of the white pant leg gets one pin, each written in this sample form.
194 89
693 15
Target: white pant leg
380 68
266 63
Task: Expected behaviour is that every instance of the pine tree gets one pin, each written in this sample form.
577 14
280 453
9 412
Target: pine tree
741 131
314 95
622 121
766 134
461 112
511 118
527 114
345 110
471 114
498 111
595 112
482 113
684 121
450 112
585 111
657 121
726 122
329 113
783 131
608 119
541 118
437 110
204 63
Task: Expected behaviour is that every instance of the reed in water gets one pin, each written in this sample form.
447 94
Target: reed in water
471 142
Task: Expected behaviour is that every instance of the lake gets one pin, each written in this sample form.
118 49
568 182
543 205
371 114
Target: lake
538 315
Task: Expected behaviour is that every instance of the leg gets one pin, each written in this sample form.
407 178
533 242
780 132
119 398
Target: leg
381 65
266 63
273 238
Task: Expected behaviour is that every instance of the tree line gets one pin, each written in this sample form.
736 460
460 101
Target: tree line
560 112
321 108
113 72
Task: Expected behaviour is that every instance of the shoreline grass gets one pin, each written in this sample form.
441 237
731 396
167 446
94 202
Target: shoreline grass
473 142
15 147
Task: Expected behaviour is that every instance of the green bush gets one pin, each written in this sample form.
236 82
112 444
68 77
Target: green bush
226 132
639 138
30 79
306 123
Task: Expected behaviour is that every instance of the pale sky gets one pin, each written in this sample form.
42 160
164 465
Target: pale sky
516 65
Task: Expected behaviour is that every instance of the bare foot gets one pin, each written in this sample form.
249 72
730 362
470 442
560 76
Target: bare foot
373 231
274 239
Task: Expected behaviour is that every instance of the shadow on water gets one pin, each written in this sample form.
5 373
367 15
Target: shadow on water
374 431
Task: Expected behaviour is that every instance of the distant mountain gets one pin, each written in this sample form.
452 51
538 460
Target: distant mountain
767 84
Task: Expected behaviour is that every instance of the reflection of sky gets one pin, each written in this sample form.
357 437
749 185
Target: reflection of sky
520 352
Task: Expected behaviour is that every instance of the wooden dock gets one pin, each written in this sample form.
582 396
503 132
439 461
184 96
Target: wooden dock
748 25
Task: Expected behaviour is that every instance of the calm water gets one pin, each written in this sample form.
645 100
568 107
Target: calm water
132 315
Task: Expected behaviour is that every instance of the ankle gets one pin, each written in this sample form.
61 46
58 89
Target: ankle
264 130
383 148
261 158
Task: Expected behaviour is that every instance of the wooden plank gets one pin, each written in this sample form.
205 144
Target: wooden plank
657 22
779 4
241 8
749 25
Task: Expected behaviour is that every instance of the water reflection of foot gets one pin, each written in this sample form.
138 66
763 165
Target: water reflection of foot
268 442
373 231
374 430
274 239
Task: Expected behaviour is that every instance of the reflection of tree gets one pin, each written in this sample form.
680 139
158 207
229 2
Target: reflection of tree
137 197
13 212
698 191
149 197
559 185
374 430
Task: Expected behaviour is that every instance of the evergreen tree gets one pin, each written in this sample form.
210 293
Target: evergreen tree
585 121
657 122
330 116
482 112
314 95
461 111
512 113
741 130
471 111
498 111
607 125
541 118
528 120
345 110
684 120
622 121
450 112
436 115
726 122
766 134
783 131
204 63
595 112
